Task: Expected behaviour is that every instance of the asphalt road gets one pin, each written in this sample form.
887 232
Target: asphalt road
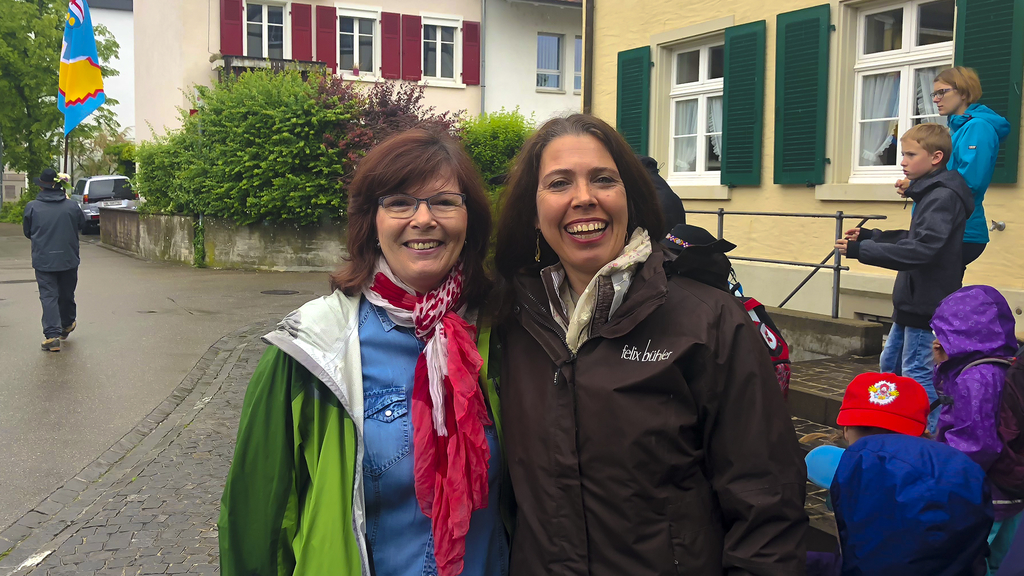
142 326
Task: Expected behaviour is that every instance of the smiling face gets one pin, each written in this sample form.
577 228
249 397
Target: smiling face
950 102
581 206
423 248
917 162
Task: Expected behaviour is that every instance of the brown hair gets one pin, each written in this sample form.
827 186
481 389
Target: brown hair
402 164
515 246
964 80
932 137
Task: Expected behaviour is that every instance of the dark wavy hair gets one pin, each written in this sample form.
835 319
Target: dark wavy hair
404 163
516 239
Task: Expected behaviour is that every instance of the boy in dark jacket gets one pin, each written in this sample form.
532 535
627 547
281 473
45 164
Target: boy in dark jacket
928 256
904 505
52 221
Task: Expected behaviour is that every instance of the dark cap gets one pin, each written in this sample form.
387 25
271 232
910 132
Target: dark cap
48 179
685 236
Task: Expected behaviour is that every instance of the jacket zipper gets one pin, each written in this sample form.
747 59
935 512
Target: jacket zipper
543 321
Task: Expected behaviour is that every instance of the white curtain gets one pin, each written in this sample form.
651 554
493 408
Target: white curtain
715 123
881 96
923 79
685 147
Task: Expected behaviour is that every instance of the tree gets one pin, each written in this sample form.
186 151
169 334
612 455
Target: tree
31 127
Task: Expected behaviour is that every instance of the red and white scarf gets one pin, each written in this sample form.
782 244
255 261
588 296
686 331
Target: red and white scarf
450 450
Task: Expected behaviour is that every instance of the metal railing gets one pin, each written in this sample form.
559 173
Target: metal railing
837 260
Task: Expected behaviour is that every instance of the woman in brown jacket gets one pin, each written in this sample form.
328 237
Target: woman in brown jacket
644 428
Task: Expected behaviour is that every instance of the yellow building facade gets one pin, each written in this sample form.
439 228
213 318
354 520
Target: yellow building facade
819 137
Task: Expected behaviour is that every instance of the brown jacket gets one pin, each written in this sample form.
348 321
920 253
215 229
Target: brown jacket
664 447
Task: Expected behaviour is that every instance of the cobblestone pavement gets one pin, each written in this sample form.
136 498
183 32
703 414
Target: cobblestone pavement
149 505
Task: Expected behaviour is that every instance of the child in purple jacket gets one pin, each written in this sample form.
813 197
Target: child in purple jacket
971 324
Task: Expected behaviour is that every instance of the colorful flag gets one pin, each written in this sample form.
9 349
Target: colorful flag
81 82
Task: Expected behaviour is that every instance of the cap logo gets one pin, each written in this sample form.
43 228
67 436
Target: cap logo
882 393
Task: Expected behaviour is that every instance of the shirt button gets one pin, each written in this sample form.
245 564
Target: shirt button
387 412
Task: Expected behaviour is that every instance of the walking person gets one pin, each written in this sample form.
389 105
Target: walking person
52 221
365 444
644 428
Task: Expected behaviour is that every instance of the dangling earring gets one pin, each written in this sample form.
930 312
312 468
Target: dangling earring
536 255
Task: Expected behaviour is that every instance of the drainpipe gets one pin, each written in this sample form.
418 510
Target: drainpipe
588 57
483 55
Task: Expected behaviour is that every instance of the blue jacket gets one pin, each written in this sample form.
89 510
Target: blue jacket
976 137
52 221
908 506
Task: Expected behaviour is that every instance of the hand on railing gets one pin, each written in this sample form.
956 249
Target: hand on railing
841 245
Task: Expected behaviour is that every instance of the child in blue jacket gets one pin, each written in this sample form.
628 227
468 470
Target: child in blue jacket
904 505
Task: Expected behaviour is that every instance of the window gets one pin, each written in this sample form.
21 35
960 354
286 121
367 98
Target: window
549 61
9 192
695 108
355 40
577 67
439 51
264 24
901 48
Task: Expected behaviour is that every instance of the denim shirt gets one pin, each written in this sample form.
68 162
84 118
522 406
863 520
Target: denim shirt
398 533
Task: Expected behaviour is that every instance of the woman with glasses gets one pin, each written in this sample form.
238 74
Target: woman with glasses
365 444
977 132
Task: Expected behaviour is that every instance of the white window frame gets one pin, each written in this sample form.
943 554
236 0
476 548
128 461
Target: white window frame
577 51
286 20
905 60
362 13
560 72
450 21
701 90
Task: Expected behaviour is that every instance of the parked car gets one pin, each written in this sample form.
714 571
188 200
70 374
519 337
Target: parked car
110 191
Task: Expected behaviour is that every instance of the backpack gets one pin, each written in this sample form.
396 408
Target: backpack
1007 472
777 347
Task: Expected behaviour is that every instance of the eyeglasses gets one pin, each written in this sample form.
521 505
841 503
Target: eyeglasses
938 94
404 206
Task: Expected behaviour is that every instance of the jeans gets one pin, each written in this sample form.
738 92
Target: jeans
57 294
908 352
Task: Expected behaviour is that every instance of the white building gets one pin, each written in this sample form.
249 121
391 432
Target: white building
529 51
533 55
118 16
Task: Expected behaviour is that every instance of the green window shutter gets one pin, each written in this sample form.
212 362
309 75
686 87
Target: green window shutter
743 106
990 39
634 97
801 95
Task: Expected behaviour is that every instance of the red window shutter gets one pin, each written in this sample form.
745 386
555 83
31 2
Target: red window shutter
391 45
412 47
471 53
231 28
327 36
302 32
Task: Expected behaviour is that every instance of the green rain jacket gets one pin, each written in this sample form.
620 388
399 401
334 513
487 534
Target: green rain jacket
293 502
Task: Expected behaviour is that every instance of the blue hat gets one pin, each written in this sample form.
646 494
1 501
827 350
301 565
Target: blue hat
821 465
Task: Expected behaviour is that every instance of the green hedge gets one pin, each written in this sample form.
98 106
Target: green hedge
272 146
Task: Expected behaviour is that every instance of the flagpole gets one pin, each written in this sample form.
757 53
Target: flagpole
67 142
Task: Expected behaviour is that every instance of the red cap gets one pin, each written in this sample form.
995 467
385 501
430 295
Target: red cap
885 401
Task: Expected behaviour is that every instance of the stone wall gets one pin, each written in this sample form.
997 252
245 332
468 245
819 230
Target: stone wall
265 246
813 336
273 246
151 236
